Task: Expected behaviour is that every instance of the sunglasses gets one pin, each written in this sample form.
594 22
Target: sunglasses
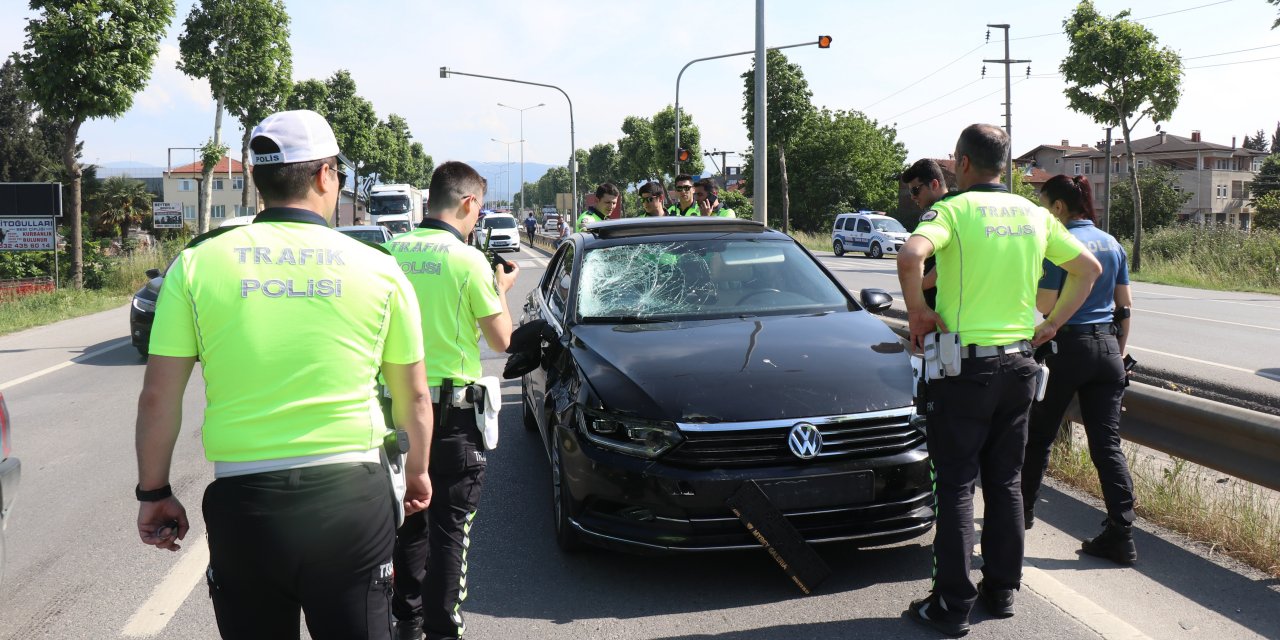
915 191
342 176
652 198
684 187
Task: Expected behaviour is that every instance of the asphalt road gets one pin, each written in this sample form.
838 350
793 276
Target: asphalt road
77 570
1222 345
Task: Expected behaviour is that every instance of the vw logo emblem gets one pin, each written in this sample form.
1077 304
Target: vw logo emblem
805 440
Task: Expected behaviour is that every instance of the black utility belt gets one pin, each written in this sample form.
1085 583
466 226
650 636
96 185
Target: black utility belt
461 396
1090 329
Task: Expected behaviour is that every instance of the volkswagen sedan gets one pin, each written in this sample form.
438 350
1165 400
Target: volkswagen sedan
679 358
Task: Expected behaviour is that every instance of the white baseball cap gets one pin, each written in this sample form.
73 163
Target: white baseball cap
302 135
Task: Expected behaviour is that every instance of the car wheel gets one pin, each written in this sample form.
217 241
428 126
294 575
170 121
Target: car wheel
566 536
876 252
838 248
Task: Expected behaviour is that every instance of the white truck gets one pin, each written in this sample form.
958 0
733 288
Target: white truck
397 203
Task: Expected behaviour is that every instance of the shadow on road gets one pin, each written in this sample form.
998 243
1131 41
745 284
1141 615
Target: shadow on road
1247 601
122 356
859 628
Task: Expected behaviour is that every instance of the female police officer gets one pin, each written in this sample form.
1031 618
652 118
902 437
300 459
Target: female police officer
1089 362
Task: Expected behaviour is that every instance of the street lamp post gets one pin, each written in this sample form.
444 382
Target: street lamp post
540 104
445 72
508 168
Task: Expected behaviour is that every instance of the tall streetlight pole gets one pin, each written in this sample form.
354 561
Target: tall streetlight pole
521 141
1008 101
540 104
760 139
445 72
823 42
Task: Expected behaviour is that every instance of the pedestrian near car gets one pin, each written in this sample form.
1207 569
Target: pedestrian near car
651 200
707 194
926 185
606 197
530 225
461 299
1089 363
990 245
291 321
685 204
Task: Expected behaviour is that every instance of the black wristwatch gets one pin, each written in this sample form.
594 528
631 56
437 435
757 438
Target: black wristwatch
152 495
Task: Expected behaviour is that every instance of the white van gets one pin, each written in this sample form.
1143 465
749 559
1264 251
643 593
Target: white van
396 223
870 232
501 231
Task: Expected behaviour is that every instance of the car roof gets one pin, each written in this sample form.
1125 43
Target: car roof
670 228
361 227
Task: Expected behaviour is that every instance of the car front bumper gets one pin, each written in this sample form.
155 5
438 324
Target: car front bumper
648 506
140 326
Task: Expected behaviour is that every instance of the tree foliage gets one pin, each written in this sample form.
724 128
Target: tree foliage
789 109
120 203
840 161
1161 201
29 147
646 150
602 164
1117 74
1267 215
82 60
309 94
394 157
1268 179
1256 142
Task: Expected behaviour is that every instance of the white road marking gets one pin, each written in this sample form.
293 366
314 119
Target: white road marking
58 367
1271 376
1179 315
1101 621
154 614
1173 295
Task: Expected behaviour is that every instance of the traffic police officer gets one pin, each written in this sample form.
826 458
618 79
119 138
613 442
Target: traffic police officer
1089 362
926 185
651 200
685 205
455 287
606 198
989 245
291 321
706 194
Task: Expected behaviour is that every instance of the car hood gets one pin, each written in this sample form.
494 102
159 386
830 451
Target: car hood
746 369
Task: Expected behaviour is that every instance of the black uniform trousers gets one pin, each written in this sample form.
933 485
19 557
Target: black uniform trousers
1088 364
432 545
316 539
978 420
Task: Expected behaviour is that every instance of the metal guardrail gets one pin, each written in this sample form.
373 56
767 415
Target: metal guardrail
1235 441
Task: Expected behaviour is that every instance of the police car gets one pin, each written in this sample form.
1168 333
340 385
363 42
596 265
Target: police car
870 232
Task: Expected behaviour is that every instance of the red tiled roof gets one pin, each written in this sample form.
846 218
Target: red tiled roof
1038 176
195 167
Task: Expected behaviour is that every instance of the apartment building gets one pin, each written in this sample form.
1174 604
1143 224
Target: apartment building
182 185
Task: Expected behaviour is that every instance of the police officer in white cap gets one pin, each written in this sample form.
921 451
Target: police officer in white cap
292 322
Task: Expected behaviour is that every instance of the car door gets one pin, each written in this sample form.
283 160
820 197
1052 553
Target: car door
550 303
862 234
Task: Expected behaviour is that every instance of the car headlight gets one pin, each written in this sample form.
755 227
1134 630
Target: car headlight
145 306
644 438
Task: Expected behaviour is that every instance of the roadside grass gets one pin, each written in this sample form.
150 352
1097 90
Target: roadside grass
1230 516
1214 257
119 277
812 241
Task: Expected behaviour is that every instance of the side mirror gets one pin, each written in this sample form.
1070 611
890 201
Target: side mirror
875 300
153 273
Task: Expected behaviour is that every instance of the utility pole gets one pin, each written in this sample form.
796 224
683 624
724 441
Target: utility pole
1106 188
760 181
724 158
1008 100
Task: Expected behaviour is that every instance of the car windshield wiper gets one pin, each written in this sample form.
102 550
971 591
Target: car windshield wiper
624 320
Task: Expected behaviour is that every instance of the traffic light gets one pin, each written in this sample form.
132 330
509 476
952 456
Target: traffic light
683 155
824 42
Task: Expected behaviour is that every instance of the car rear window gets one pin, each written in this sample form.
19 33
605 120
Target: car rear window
702 279
375 236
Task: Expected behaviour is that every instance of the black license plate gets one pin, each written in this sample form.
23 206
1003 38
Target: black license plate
810 492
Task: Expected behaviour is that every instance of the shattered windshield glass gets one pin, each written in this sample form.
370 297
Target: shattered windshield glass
699 279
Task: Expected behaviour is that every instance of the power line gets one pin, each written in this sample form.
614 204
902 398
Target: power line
1158 15
917 81
953 109
1214 55
1227 64
925 104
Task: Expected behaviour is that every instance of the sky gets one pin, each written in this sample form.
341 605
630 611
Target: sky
917 65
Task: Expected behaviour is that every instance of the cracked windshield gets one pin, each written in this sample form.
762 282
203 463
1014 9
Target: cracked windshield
692 280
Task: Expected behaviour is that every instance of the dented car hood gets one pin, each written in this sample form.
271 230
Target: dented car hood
745 369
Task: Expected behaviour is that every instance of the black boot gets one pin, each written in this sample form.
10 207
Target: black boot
1115 543
410 629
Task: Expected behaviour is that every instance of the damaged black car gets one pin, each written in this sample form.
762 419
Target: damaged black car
665 362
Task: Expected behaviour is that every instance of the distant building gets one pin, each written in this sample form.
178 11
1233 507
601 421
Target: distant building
182 185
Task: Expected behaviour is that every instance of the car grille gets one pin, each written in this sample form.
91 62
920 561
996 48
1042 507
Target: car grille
855 436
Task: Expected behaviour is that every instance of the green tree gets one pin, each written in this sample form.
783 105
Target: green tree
1277 22
82 60
1268 179
1117 74
1159 195
1256 142
242 48
602 164
739 202
421 166
309 94
1267 214
636 160
841 161
788 111
25 155
664 140
120 203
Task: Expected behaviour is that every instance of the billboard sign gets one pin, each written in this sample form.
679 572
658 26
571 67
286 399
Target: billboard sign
27 234
166 215
20 199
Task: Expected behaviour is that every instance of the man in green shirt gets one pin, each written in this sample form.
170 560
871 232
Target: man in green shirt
606 198
707 194
291 322
455 287
989 245
651 200
685 205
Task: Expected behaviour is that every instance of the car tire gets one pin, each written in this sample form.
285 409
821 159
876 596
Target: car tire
875 252
566 536
837 247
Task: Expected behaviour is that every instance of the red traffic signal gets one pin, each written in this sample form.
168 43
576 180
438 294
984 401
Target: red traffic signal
824 42
683 155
